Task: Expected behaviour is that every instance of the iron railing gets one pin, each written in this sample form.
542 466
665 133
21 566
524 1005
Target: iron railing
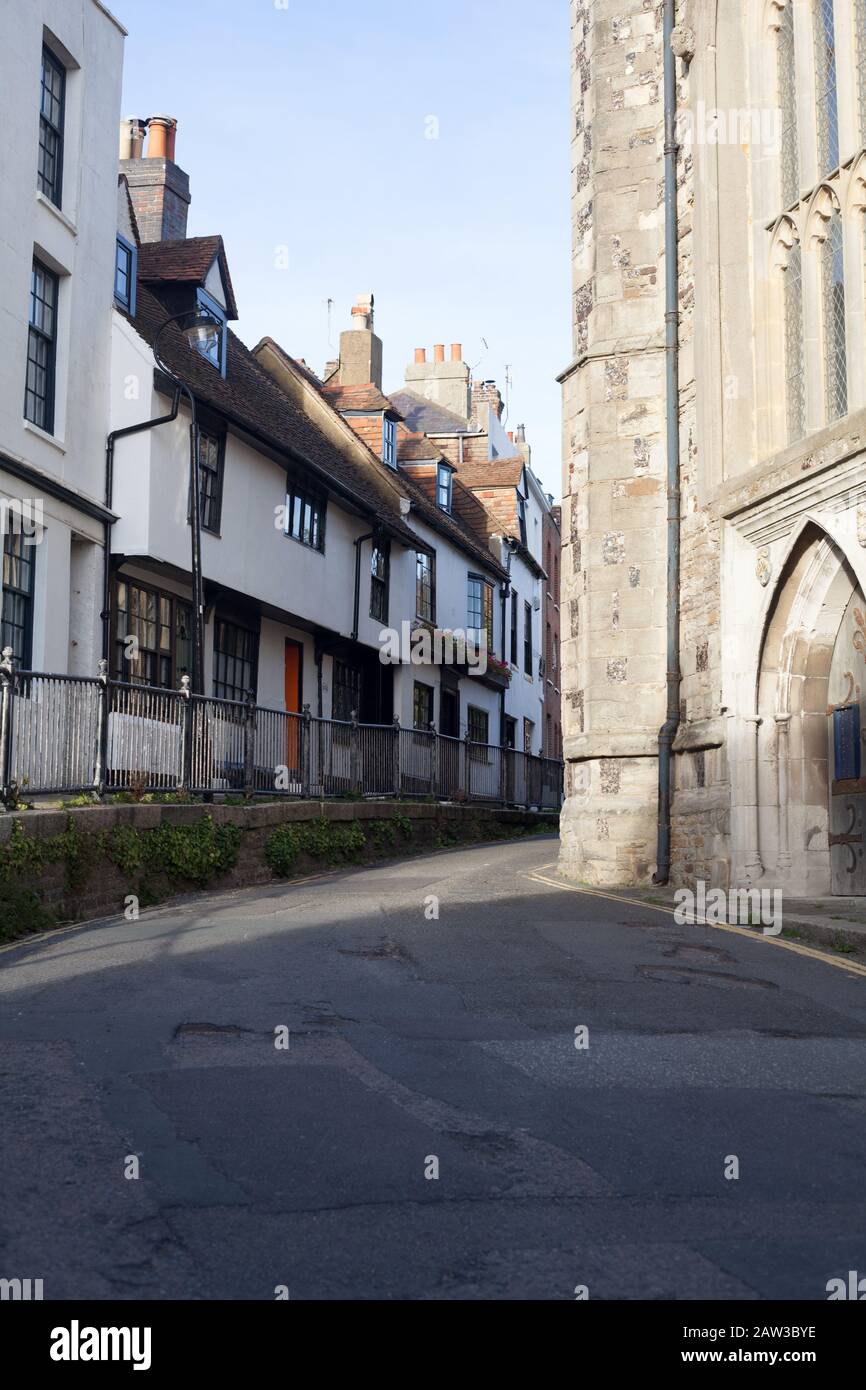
75 734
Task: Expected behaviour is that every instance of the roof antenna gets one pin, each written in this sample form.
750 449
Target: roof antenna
508 385
330 304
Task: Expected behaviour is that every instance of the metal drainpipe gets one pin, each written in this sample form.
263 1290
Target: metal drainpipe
668 731
358 543
109 494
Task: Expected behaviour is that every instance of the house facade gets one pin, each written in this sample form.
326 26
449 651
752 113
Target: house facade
60 104
756 451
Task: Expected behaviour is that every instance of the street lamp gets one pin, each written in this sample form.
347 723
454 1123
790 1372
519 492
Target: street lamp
202 331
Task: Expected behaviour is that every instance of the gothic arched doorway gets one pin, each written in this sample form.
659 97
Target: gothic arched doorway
811 682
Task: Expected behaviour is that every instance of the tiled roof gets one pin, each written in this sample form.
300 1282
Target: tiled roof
250 398
185 262
423 500
494 473
416 448
367 397
424 417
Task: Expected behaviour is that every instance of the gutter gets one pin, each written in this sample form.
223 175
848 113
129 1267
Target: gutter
668 731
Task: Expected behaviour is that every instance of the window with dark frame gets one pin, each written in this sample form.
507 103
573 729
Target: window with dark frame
305 515
211 465
41 348
346 699
125 260
161 625
19 573
379 568
214 349
478 724
51 120
527 638
514 647
425 586
480 610
521 517
235 658
444 487
389 441
422 705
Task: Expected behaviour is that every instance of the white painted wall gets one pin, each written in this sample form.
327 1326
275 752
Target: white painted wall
77 242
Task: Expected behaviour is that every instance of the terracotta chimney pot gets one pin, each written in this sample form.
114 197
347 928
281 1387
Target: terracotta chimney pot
420 356
439 352
456 352
158 128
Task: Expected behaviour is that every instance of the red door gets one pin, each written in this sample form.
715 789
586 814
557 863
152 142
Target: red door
293 692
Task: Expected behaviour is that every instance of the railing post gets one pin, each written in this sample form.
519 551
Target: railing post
527 778
306 750
7 700
466 777
100 770
398 784
503 774
431 729
356 776
249 743
185 783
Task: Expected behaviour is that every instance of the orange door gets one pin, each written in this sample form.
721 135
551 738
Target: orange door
293 700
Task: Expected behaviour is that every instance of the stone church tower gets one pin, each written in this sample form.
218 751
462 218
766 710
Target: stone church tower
764 434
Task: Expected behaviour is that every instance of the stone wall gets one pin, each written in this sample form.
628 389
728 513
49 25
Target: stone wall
70 865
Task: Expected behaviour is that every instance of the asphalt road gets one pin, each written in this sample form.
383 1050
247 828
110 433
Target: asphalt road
414 1041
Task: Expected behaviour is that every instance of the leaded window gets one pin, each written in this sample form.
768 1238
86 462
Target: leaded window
480 611
479 724
235 653
795 362
422 705
444 485
826 93
41 348
379 583
152 636
19 569
425 586
833 295
790 142
210 464
305 515
51 114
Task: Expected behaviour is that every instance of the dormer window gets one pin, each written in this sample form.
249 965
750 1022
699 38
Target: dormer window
125 260
443 487
389 441
213 348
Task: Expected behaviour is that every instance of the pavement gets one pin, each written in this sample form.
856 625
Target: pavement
496 1086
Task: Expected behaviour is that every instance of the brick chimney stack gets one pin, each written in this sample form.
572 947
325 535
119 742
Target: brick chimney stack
485 397
158 188
360 348
444 383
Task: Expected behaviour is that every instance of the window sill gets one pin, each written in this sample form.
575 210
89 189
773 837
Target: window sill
52 439
56 212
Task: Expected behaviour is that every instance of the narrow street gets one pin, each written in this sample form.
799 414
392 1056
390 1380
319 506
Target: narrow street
413 1039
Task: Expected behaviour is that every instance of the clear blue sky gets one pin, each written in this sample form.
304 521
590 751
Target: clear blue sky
305 127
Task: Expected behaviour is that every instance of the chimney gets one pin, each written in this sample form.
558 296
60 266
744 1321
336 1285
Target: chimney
444 383
485 397
360 348
522 446
158 188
